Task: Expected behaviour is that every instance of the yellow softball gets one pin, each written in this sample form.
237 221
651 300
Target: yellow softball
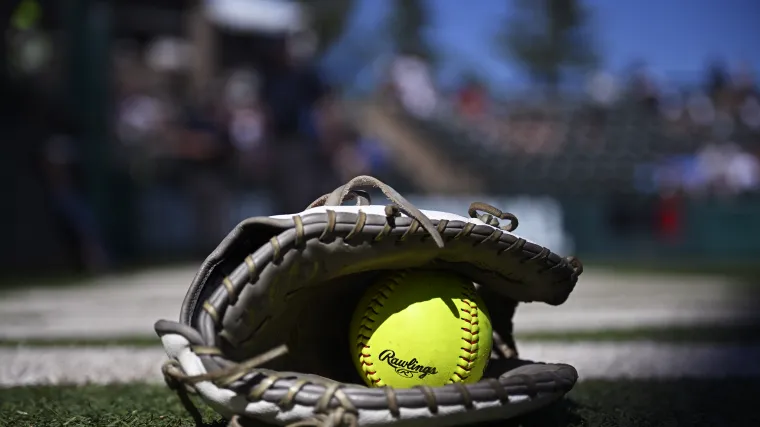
420 327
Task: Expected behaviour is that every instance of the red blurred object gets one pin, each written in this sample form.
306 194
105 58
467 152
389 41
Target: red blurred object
670 217
472 101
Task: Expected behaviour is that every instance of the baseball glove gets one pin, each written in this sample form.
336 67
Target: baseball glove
263 330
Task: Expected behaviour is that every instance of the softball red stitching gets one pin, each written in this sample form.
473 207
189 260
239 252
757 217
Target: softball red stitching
382 294
473 339
365 363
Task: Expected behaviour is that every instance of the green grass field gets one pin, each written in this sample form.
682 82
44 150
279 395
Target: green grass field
592 403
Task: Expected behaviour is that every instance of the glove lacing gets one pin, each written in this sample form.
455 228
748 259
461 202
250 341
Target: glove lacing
344 415
351 191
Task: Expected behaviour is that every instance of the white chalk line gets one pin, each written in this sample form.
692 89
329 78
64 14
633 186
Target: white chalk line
26 366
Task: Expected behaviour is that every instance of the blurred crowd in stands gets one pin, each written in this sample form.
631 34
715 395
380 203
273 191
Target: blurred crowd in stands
118 151
277 130
276 127
694 140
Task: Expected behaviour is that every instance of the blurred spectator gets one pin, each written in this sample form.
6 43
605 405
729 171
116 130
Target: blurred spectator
672 104
643 88
727 169
603 89
701 109
246 134
472 100
742 171
292 90
246 127
139 117
199 148
241 89
413 84
717 80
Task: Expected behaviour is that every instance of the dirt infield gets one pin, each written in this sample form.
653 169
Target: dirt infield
128 305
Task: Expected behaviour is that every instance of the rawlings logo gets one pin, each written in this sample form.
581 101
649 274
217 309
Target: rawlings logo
406 368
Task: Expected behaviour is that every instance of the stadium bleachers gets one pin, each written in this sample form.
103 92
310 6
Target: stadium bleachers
614 154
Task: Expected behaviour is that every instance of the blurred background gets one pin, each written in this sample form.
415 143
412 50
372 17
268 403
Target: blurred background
140 132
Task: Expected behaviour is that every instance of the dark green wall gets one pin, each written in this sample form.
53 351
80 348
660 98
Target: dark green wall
713 229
